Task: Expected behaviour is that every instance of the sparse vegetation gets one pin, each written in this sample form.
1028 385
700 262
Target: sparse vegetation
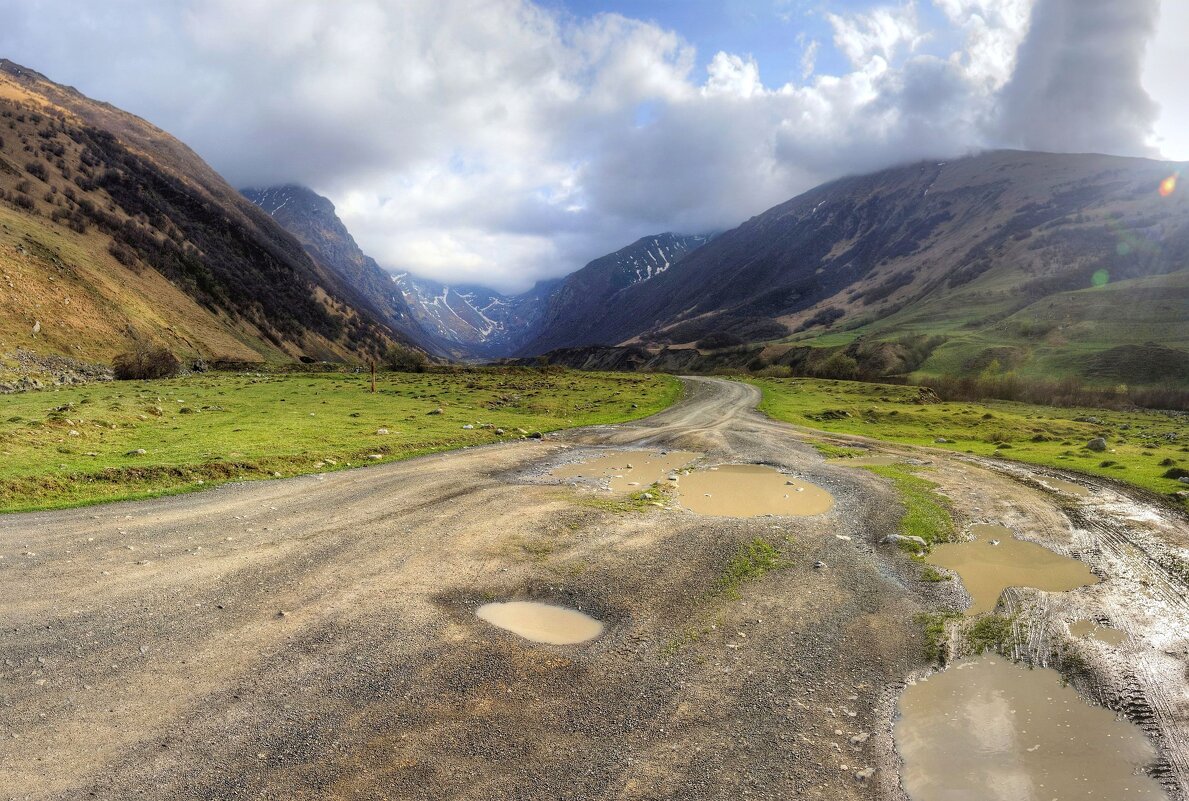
750 563
934 628
990 632
926 514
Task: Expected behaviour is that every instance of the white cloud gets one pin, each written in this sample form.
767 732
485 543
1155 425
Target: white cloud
502 142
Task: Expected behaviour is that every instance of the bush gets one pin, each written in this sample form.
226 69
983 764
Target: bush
402 359
146 361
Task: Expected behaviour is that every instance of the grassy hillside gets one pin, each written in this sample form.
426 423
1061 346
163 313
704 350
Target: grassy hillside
1142 447
113 233
81 445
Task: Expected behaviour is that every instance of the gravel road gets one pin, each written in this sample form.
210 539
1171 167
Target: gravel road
314 638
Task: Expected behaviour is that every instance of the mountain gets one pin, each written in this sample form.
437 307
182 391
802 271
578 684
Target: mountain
113 232
312 219
584 309
473 321
1040 264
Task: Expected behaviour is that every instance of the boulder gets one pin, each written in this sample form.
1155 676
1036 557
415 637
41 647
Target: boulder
1098 445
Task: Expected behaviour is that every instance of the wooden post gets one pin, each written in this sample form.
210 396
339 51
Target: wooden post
373 376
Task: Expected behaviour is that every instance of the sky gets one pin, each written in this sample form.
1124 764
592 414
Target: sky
503 142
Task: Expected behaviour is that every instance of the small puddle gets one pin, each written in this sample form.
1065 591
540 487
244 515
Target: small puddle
540 622
1068 487
750 490
987 569
628 470
1088 628
990 730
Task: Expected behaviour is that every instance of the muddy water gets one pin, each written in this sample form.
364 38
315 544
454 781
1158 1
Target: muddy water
628 470
987 570
1068 487
540 622
989 730
750 490
1088 628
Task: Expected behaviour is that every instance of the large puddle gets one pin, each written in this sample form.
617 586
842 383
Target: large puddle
989 730
995 560
628 470
750 490
540 622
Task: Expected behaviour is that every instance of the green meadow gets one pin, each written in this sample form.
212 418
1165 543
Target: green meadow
1147 449
136 439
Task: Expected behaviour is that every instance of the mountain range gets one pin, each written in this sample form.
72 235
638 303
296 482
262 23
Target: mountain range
112 232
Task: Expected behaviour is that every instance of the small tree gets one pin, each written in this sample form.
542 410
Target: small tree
145 361
402 359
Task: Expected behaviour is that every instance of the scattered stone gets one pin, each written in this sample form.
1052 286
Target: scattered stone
860 738
468 427
536 435
1098 445
381 431
819 565
137 452
864 774
891 539
435 411
941 440
374 456
499 432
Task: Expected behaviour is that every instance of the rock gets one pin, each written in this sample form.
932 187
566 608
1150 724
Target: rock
941 440
137 452
860 738
864 774
381 431
74 433
374 456
36 327
435 411
468 427
1184 479
891 539
499 432
1098 445
819 565
536 435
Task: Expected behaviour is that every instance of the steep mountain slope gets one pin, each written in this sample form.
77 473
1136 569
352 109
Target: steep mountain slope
113 232
473 321
1043 264
584 308
312 219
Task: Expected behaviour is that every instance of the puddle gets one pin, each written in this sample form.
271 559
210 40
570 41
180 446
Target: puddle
987 570
540 622
867 461
1088 628
1068 487
629 471
750 490
990 730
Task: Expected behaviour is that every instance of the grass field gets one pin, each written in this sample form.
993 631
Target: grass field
82 445
1141 446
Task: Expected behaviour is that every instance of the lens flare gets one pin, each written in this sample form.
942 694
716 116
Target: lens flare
1168 186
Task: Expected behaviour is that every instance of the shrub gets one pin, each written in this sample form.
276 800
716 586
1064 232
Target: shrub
145 361
403 359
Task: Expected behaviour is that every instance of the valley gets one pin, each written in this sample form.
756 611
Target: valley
317 637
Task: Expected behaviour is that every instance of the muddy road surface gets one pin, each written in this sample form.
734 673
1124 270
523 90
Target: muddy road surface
316 638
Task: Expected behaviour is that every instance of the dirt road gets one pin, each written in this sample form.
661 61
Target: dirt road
314 638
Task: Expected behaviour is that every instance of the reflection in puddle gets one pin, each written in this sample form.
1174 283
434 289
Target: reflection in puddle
1068 487
540 622
987 569
628 470
750 490
990 730
1088 628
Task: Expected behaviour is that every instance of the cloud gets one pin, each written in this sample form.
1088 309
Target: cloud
501 142
1077 85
